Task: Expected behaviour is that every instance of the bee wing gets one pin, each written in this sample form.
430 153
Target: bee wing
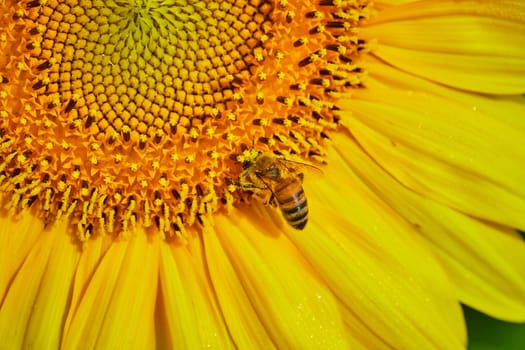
297 166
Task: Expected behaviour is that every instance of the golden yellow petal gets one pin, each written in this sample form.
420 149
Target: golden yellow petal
381 4
486 265
241 318
444 150
87 265
484 262
117 307
411 9
457 45
377 266
52 302
17 303
505 108
17 238
294 305
187 314
36 297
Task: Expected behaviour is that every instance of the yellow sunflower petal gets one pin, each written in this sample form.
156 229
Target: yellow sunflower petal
295 307
16 306
444 150
488 274
32 309
510 9
483 261
468 45
175 309
381 4
188 315
86 267
17 239
378 267
240 316
505 108
115 310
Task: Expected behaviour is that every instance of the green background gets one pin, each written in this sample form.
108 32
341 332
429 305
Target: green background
486 333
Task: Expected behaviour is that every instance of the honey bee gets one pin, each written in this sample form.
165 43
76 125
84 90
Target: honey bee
268 171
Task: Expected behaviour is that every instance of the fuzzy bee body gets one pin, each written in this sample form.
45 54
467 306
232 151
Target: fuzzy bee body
270 172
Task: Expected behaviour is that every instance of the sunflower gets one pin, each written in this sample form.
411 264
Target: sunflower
137 211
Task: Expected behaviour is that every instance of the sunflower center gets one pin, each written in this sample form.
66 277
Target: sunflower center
137 112
141 69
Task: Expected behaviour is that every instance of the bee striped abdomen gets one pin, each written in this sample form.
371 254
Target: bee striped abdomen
292 201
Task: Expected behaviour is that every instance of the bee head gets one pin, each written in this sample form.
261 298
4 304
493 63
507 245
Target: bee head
248 158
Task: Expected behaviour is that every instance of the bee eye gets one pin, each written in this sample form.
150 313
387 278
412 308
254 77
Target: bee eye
246 165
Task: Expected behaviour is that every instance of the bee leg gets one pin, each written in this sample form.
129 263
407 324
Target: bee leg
271 201
300 176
